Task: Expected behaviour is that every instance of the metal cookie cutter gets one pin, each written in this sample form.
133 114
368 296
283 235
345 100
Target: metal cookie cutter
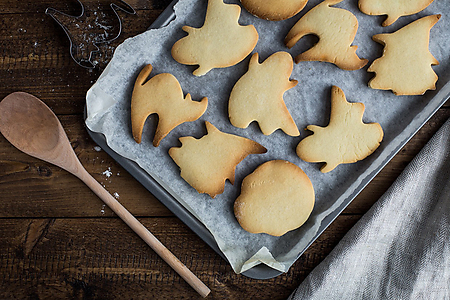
96 25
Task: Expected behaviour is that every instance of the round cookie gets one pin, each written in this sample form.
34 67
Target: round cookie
274 10
276 198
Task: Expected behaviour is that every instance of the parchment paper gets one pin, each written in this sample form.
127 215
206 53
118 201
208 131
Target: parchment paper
108 107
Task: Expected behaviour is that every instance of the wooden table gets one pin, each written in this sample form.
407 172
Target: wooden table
58 240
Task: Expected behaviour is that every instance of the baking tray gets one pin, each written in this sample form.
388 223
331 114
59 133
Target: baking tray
260 271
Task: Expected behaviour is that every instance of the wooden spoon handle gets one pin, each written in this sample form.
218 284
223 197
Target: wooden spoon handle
143 232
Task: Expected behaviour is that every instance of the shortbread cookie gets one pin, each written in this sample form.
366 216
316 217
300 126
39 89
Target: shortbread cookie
336 29
221 42
393 9
405 67
161 95
258 95
274 10
207 162
276 198
346 139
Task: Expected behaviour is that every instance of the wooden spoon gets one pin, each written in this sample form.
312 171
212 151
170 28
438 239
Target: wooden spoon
30 125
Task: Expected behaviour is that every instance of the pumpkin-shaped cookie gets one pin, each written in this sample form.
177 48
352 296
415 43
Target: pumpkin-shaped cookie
276 198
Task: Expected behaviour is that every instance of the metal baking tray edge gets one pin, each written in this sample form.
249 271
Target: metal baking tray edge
260 271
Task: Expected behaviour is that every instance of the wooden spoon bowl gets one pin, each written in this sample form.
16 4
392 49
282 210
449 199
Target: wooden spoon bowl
40 135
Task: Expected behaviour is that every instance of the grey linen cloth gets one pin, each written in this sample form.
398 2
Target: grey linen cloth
400 249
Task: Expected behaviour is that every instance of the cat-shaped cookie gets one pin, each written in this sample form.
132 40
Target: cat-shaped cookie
161 95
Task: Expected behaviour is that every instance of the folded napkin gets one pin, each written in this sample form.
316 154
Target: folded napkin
400 249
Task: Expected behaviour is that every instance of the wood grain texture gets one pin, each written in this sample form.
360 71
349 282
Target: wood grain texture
58 240
102 259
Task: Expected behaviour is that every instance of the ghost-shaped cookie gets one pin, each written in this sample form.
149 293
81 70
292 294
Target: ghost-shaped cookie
206 163
276 198
336 29
346 139
258 95
161 95
221 41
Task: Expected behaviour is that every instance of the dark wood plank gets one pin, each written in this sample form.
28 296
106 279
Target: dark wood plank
91 258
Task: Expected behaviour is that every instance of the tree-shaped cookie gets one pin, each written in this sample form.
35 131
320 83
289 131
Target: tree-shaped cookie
346 139
393 9
162 95
206 163
258 95
221 42
336 29
405 67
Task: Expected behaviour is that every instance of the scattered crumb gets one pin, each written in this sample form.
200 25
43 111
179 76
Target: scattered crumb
97 148
107 172
102 211
116 195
